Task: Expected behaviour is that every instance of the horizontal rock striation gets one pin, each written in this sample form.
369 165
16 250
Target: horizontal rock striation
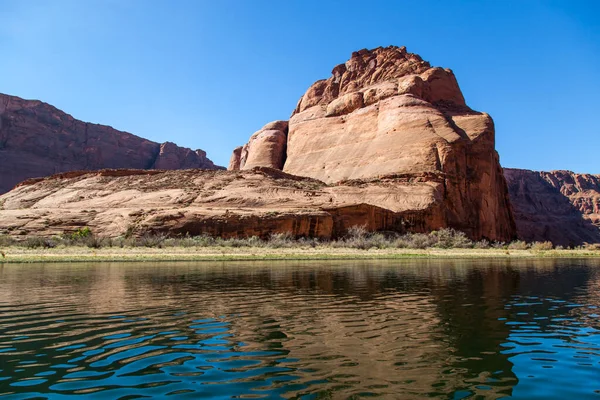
257 202
386 112
37 139
559 206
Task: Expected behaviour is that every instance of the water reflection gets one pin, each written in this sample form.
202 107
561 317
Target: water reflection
409 329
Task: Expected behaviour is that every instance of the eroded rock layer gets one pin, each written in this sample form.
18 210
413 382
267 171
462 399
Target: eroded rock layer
38 140
560 206
260 202
386 112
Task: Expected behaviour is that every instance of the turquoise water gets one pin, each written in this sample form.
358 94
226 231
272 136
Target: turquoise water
304 330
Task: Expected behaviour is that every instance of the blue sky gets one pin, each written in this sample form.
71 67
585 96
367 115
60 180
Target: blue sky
207 74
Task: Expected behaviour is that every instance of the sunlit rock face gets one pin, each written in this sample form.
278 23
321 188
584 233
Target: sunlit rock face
37 139
386 113
560 206
386 142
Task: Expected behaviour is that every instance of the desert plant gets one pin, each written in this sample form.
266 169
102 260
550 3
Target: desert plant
518 245
81 233
278 240
357 231
93 242
542 246
482 244
449 238
151 240
592 246
6 241
418 241
33 242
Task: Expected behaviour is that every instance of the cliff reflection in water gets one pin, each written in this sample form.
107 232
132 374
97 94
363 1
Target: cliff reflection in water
404 328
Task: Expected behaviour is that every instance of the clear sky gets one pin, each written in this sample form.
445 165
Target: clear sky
207 74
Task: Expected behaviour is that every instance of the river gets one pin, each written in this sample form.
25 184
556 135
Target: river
408 329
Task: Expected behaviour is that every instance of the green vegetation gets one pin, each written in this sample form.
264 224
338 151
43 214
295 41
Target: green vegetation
357 238
83 245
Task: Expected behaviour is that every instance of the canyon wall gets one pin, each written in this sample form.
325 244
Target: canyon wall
37 139
560 206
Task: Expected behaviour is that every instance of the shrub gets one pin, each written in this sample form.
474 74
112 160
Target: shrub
33 242
278 240
378 240
150 240
400 242
482 244
306 242
81 233
357 231
419 241
93 242
542 246
6 241
203 241
450 239
592 246
518 245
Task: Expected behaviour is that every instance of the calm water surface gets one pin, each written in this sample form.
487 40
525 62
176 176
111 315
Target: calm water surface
318 330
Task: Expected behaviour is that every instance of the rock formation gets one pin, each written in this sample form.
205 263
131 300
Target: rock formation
36 140
266 148
386 142
257 202
387 113
559 206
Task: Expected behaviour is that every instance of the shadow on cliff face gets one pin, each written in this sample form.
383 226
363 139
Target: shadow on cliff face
542 212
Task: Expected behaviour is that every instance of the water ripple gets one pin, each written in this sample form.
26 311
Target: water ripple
445 329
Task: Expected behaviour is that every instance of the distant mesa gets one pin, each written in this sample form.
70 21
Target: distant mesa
37 140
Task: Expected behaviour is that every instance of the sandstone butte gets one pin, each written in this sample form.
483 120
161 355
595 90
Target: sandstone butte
560 206
37 139
386 115
387 142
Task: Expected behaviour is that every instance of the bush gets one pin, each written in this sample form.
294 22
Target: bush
518 245
203 241
482 244
150 240
592 246
357 232
6 241
419 240
34 242
81 233
450 239
279 240
542 246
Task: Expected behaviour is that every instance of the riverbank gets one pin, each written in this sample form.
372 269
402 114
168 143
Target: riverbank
85 254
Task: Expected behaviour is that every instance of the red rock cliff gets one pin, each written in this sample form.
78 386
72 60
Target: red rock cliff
560 206
37 139
386 113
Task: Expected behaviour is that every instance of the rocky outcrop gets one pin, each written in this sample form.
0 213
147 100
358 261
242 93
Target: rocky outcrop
260 202
266 148
560 206
387 113
37 139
